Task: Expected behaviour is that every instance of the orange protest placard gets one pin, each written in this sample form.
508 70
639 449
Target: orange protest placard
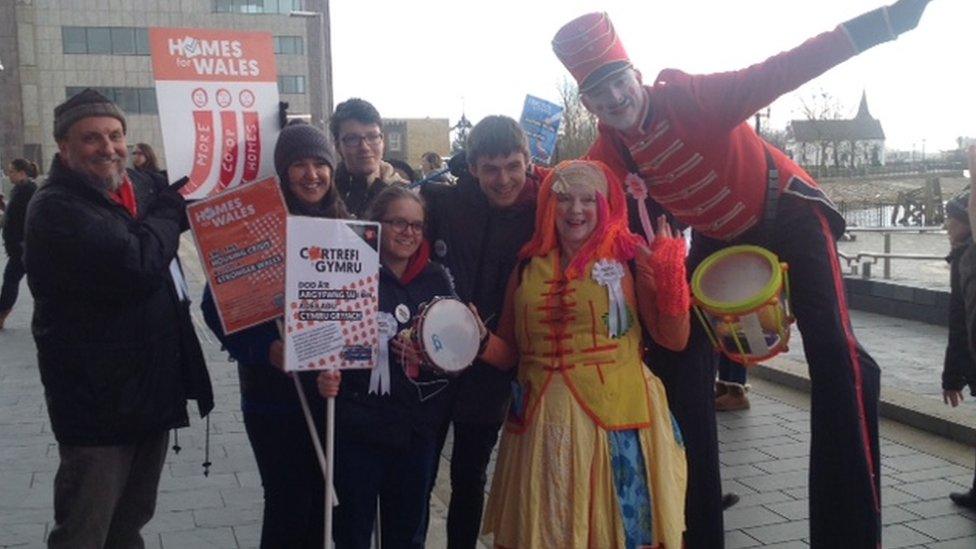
240 236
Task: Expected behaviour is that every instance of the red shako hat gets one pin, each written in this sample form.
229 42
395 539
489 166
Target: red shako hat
589 48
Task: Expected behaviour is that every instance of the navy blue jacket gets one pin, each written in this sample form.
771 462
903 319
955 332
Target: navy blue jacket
418 406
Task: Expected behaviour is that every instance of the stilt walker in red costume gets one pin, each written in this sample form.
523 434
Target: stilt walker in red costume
686 141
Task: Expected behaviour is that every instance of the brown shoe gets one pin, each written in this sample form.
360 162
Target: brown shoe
721 388
734 399
3 317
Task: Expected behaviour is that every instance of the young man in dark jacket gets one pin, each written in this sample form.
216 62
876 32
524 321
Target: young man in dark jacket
477 228
117 352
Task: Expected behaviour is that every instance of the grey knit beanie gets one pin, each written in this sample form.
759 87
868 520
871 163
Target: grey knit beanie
958 207
84 104
299 140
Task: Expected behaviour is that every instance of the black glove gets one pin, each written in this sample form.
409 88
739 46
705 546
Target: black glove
905 14
171 205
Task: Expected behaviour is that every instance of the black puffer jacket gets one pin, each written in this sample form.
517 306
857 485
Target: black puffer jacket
959 368
479 246
116 348
13 219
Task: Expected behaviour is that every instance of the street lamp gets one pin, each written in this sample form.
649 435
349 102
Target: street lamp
325 60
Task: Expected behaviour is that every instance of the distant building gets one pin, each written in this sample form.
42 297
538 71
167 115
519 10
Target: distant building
52 49
408 138
859 141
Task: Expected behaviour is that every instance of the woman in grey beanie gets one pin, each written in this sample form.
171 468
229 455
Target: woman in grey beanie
293 485
305 161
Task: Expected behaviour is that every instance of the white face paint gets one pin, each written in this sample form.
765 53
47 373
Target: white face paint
618 101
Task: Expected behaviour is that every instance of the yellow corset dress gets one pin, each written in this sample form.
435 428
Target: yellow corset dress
553 484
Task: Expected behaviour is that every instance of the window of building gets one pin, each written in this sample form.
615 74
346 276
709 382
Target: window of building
124 40
257 6
99 40
130 100
74 40
291 84
105 40
393 142
289 45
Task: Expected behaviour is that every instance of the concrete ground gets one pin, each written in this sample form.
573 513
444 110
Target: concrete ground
763 459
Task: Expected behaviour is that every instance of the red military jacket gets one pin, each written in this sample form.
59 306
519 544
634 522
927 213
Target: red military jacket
695 151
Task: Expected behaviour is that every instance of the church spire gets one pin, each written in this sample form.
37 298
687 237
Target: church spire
862 110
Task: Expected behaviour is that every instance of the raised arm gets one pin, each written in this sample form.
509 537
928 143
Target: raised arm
729 98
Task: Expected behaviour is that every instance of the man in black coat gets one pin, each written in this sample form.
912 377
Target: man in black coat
477 228
117 352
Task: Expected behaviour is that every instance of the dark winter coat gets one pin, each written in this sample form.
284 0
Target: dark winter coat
959 368
413 407
264 388
115 344
13 219
479 246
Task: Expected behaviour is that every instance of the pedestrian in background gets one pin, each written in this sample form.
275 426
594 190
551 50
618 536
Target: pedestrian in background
960 357
21 173
144 159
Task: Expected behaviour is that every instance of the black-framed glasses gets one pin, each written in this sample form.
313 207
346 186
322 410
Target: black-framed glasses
353 139
401 225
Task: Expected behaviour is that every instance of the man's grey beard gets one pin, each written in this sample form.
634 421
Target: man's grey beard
109 184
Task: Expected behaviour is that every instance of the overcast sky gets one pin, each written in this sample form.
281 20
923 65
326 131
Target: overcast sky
434 58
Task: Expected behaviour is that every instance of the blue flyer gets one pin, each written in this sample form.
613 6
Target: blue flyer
540 121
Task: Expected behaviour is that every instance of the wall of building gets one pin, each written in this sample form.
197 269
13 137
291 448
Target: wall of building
427 134
11 117
45 71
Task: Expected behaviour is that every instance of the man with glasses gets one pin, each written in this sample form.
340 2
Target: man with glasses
477 228
357 130
688 145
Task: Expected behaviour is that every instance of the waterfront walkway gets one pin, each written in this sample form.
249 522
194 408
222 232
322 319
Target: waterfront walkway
763 455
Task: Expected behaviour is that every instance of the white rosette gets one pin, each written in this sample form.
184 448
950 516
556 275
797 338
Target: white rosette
609 273
379 378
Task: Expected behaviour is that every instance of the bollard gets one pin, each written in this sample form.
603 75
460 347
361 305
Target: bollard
887 260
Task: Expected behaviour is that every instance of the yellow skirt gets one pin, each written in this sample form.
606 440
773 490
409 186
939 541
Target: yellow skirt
553 483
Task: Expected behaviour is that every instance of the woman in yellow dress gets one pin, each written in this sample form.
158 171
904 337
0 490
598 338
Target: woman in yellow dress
590 455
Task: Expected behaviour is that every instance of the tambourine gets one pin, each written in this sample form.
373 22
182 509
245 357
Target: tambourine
447 334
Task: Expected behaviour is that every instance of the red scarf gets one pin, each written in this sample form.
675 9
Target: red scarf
417 263
126 196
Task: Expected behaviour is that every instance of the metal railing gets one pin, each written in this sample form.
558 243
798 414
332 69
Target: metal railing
861 262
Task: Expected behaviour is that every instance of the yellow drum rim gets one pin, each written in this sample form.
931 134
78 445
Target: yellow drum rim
771 289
